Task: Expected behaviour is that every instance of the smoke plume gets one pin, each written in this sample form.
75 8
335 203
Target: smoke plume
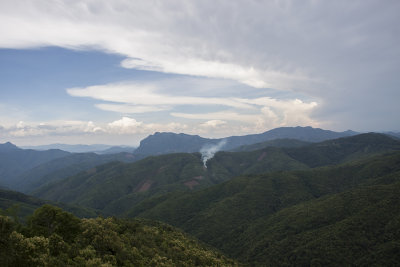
208 151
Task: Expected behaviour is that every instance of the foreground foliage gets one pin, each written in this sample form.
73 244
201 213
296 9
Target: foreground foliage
53 237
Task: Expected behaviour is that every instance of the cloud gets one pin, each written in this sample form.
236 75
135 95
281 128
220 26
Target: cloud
125 126
131 109
145 97
24 129
221 115
139 95
246 75
182 37
344 54
128 125
213 124
273 113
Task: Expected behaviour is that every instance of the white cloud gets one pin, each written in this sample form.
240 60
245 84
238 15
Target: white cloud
215 69
128 125
26 129
162 43
144 94
213 124
274 112
130 109
124 126
345 54
221 115
145 97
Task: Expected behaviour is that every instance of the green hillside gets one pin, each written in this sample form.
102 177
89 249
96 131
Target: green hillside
19 205
64 167
53 237
15 161
281 142
359 228
340 150
100 186
115 188
295 217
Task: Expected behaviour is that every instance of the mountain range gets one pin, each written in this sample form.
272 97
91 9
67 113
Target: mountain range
97 148
274 202
165 143
117 187
15 161
26 169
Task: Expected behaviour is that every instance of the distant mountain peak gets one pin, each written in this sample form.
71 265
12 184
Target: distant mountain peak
168 142
8 146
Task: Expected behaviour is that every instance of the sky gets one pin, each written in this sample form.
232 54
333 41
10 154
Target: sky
113 72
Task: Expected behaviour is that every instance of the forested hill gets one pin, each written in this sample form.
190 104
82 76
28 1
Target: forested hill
60 168
117 187
25 169
14 161
331 216
19 205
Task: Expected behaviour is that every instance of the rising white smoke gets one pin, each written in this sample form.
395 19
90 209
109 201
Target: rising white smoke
208 151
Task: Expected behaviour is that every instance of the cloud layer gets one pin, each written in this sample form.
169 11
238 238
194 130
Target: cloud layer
258 113
342 57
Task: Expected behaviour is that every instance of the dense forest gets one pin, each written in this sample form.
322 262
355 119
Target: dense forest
53 237
332 215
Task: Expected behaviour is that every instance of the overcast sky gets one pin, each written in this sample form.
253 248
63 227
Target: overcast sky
114 72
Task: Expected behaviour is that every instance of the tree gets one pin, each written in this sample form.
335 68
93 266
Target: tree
48 220
6 228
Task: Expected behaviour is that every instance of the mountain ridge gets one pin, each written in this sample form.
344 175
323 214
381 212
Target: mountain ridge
115 187
163 143
14 161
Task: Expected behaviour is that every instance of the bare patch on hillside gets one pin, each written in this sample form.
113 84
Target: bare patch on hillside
129 156
91 171
262 156
144 186
191 183
161 169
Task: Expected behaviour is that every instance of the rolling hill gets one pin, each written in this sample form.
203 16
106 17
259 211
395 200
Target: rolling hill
64 167
20 205
26 169
330 216
15 161
116 187
70 148
281 142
